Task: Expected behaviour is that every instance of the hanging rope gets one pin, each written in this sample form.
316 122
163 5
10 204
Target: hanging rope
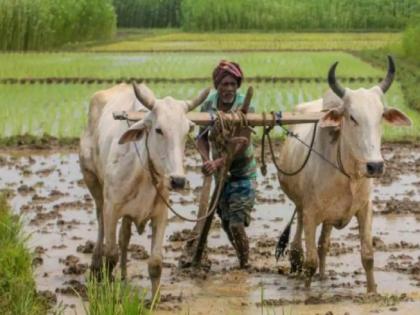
222 131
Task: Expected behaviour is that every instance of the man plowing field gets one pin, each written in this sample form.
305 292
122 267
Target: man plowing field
238 195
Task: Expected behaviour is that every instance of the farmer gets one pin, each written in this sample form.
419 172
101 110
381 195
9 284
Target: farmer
238 195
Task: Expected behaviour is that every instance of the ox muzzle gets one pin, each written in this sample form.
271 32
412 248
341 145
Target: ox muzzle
375 169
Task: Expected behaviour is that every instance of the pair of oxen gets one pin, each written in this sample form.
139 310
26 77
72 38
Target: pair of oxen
118 173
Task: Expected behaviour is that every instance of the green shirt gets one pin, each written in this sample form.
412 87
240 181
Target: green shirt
244 164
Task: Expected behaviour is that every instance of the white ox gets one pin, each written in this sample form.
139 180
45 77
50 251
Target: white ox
321 193
119 178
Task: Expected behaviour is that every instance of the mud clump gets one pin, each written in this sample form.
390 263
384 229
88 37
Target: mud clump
25 189
86 248
73 287
48 296
73 265
138 252
181 236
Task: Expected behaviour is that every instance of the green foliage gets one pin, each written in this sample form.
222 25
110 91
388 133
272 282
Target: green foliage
411 40
17 287
46 24
199 15
148 13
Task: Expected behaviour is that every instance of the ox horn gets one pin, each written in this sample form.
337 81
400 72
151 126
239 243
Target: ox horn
247 100
198 100
146 97
332 81
387 81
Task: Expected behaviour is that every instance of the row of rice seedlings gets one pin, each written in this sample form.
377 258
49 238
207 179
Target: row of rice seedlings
297 15
61 111
44 24
179 65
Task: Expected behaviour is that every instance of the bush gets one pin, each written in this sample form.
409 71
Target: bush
46 24
411 39
148 13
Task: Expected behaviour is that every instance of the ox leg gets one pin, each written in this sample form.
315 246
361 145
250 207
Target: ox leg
111 248
311 259
296 250
364 218
155 261
323 247
124 240
95 189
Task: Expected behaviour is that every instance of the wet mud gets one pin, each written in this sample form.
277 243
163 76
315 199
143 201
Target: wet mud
47 189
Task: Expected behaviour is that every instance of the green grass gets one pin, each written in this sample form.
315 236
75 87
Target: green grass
61 110
179 65
253 41
115 298
17 286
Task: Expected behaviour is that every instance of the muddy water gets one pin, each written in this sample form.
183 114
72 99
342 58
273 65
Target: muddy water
46 188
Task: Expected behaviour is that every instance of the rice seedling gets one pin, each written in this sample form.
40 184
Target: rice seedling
115 298
61 110
17 286
178 41
178 65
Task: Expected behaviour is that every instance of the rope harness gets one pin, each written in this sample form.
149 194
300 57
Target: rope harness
222 133
266 134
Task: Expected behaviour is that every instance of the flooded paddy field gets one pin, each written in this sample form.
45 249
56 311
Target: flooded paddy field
46 187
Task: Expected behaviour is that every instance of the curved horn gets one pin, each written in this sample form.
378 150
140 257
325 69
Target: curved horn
146 97
332 81
198 100
387 81
247 100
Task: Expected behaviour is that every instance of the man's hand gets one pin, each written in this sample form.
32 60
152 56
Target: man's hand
209 167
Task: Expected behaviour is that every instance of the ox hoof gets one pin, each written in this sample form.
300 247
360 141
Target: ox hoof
372 289
296 261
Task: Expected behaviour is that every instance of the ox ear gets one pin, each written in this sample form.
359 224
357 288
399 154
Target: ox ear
134 133
396 117
332 118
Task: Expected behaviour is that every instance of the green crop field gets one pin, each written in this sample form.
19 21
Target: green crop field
158 40
180 65
61 110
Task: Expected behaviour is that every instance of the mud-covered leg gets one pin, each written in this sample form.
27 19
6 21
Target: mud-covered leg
111 248
95 189
296 250
364 218
124 240
155 261
323 247
311 258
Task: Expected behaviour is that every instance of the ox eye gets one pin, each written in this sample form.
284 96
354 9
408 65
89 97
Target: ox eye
159 131
354 120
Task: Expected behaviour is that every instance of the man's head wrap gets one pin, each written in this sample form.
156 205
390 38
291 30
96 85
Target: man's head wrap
227 68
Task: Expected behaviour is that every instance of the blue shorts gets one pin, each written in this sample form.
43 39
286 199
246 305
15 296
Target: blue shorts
237 201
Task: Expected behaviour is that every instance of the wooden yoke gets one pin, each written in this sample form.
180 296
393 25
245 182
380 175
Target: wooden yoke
254 119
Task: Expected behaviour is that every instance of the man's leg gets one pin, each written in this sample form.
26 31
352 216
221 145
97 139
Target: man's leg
241 202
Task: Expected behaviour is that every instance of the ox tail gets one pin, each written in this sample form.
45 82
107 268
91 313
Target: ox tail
284 238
